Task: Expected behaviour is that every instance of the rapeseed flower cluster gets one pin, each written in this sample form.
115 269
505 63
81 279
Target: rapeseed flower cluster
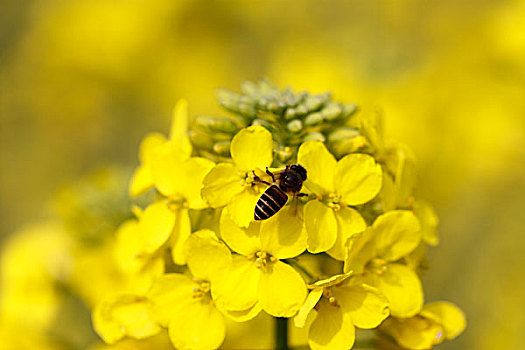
344 256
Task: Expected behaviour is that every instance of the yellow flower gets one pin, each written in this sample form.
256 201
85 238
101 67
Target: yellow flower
353 180
184 304
437 322
134 256
143 178
375 253
178 177
231 184
257 278
335 307
124 315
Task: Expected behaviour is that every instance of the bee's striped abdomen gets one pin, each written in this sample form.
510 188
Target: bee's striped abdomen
270 202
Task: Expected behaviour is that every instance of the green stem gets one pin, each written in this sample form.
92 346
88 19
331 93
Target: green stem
300 268
281 333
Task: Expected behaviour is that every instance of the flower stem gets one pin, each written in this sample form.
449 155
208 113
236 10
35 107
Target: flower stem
281 333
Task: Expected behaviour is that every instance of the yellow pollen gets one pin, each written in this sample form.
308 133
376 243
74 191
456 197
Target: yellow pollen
333 301
262 259
335 206
201 290
333 201
335 197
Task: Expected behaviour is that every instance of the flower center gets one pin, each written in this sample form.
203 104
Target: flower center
175 203
377 266
333 201
201 290
327 294
263 259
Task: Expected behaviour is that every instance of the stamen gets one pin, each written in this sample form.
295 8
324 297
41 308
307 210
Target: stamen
263 259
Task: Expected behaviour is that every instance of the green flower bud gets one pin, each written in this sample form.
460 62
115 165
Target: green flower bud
313 119
222 148
228 99
272 106
284 154
301 110
314 136
247 110
313 102
331 111
249 88
345 140
289 114
349 109
216 124
200 140
295 126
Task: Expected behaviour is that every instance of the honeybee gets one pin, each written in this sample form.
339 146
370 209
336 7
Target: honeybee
290 180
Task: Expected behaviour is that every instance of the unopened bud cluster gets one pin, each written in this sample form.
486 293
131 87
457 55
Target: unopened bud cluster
291 117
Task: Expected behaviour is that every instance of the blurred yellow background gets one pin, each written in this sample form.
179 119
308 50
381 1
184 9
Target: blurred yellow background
81 82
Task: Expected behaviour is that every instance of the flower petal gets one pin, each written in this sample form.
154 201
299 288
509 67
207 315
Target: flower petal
252 148
241 316
200 326
321 226
309 304
236 288
181 232
448 315
320 165
221 184
397 233
156 225
360 250
195 170
141 181
284 235
179 127
143 178
281 290
357 178
124 315
331 281
128 247
169 293
245 241
205 255
349 222
402 288
242 207
149 145
331 329
167 169
365 304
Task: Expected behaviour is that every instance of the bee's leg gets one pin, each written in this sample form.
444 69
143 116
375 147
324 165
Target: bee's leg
270 173
258 179
302 195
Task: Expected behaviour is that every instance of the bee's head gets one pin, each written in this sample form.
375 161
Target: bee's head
299 169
